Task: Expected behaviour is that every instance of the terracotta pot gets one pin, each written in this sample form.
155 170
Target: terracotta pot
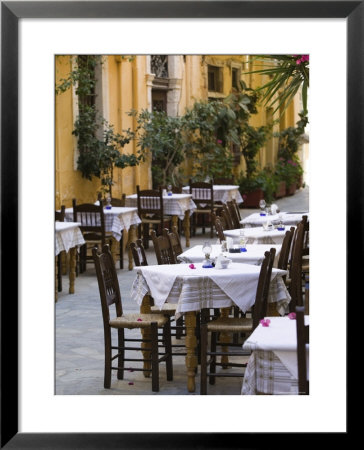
251 199
281 190
291 189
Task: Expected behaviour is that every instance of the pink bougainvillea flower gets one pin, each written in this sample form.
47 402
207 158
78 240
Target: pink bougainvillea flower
264 322
305 58
219 141
298 61
130 383
192 266
139 320
292 315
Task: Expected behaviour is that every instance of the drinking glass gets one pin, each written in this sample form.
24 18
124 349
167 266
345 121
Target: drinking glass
169 189
262 205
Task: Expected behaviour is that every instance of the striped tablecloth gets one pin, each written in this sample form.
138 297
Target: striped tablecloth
272 366
116 219
256 220
174 205
68 235
195 289
257 235
223 193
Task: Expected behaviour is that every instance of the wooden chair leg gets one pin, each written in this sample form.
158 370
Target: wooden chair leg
179 323
121 257
168 349
203 345
213 358
154 355
107 370
59 275
198 337
121 357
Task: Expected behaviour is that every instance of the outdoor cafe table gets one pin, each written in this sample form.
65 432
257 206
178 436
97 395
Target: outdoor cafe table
272 366
223 193
117 219
287 218
257 235
68 237
199 288
179 206
253 255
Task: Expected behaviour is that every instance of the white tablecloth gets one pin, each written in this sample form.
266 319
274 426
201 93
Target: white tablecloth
68 235
174 205
223 193
257 235
253 255
116 219
272 367
195 289
256 220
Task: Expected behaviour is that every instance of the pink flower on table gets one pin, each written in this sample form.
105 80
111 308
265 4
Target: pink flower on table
264 322
139 320
192 266
292 315
130 383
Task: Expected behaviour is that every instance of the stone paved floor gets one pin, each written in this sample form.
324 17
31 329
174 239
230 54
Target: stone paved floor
79 334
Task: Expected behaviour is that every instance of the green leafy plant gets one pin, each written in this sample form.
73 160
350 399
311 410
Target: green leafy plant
98 144
288 74
288 170
161 136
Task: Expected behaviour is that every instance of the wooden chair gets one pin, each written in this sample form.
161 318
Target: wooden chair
169 309
59 217
110 295
117 202
233 325
151 212
285 250
233 214
218 227
203 196
92 227
174 241
225 214
296 280
163 249
302 340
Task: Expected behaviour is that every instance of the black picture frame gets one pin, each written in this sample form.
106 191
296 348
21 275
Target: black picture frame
11 12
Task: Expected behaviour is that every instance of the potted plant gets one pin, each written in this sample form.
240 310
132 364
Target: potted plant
251 189
289 172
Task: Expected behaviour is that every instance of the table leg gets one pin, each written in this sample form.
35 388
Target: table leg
191 343
132 236
224 337
56 279
72 274
146 334
186 227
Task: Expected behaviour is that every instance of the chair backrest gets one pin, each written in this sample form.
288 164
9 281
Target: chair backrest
225 214
231 206
108 283
163 249
60 215
92 220
285 250
261 298
138 252
296 268
174 241
202 194
224 181
237 210
218 227
150 201
302 339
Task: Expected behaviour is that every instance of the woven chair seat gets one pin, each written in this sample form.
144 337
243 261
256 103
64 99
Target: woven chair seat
131 321
155 220
168 308
233 324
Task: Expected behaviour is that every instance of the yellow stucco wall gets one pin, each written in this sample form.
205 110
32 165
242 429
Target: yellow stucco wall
124 86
